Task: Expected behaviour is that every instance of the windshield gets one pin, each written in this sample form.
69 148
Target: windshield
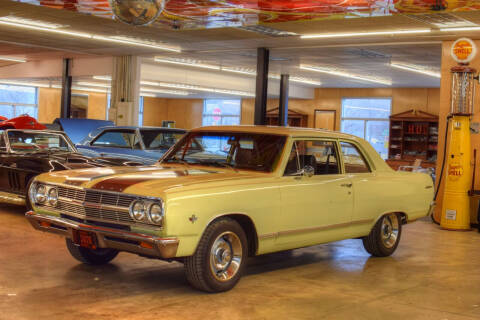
21 141
248 151
158 139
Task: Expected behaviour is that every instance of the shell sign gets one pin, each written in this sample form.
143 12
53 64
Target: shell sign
464 50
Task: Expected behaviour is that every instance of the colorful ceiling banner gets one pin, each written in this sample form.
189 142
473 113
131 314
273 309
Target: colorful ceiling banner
217 13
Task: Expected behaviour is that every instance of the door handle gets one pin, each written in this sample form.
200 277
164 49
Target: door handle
347 185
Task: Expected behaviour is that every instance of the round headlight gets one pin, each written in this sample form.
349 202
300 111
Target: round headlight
137 210
53 196
155 213
41 194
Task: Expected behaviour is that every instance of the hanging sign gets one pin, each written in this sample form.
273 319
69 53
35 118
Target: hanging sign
463 50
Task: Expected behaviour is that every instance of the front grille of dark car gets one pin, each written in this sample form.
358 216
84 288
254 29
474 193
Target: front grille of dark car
95 205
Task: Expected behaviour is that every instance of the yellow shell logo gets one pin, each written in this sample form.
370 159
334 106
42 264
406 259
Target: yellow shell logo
455 171
463 50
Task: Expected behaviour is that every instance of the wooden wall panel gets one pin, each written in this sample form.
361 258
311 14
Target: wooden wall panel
48 104
97 106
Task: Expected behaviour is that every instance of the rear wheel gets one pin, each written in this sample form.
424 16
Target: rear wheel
219 260
89 256
385 236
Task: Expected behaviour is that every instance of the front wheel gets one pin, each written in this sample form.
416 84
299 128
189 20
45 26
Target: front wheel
385 236
89 256
219 260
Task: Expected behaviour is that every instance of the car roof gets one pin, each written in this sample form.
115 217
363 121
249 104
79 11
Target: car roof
142 128
289 131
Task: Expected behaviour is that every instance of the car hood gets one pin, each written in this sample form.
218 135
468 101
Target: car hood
146 180
70 161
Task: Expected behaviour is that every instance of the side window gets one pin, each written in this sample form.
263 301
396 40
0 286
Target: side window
3 145
117 139
320 155
353 159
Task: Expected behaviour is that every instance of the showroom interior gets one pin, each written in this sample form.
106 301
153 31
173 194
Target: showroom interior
403 75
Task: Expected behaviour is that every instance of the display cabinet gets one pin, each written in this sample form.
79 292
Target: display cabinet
413 135
295 118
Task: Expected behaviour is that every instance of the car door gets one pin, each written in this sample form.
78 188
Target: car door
4 169
315 208
366 186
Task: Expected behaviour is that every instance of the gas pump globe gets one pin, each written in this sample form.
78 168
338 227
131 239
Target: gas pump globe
456 201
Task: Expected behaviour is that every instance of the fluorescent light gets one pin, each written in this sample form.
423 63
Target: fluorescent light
416 69
363 34
88 89
306 81
188 63
460 29
135 43
197 88
27 84
344 74
176 92
42 27
3 58
249 72
105 78
30 22
93 84
144 94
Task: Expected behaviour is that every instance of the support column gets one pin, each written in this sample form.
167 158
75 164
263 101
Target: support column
125 96
283 101
263 56
65 108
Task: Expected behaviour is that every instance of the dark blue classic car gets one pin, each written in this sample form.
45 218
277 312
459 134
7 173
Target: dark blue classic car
140 144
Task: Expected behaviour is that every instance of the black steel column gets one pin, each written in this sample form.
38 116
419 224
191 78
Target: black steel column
263 56
283 101
66 89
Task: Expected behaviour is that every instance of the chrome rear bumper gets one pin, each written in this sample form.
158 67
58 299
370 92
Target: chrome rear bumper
108 238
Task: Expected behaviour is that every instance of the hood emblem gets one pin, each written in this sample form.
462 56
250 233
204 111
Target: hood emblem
193 218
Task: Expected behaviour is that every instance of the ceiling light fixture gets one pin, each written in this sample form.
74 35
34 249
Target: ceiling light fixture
26 84
345 74
123 40
93 84
460 29
197 88
88 89
363 34
188 63
104 78
175 92
417 69
144 94
249 72
3 58
30 22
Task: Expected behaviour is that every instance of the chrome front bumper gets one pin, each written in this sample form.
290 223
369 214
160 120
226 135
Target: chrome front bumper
142 244
432 208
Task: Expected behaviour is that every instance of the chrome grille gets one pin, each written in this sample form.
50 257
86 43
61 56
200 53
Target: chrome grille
92 204
70 193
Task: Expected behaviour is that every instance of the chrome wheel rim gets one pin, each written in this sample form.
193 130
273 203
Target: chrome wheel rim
389 231
226 256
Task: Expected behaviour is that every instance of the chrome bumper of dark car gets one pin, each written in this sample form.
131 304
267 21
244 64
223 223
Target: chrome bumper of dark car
142 244
12 198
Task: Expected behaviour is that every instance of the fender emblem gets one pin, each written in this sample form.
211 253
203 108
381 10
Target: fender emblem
193 218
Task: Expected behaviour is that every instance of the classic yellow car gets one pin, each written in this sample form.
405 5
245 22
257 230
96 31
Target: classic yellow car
224 193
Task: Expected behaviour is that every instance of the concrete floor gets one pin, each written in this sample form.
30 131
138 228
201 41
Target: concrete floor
434 274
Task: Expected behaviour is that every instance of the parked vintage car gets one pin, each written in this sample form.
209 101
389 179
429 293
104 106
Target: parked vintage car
144 144
249 190
26 153
21 122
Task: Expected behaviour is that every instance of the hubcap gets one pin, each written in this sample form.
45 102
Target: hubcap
389 231
226 256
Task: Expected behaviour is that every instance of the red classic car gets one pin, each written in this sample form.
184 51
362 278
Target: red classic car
21 122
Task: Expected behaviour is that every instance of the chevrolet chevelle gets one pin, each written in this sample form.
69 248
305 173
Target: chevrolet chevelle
222 194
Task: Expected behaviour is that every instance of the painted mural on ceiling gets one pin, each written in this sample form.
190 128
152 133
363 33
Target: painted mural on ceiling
191 14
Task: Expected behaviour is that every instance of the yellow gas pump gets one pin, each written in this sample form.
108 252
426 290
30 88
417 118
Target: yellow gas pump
456 201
